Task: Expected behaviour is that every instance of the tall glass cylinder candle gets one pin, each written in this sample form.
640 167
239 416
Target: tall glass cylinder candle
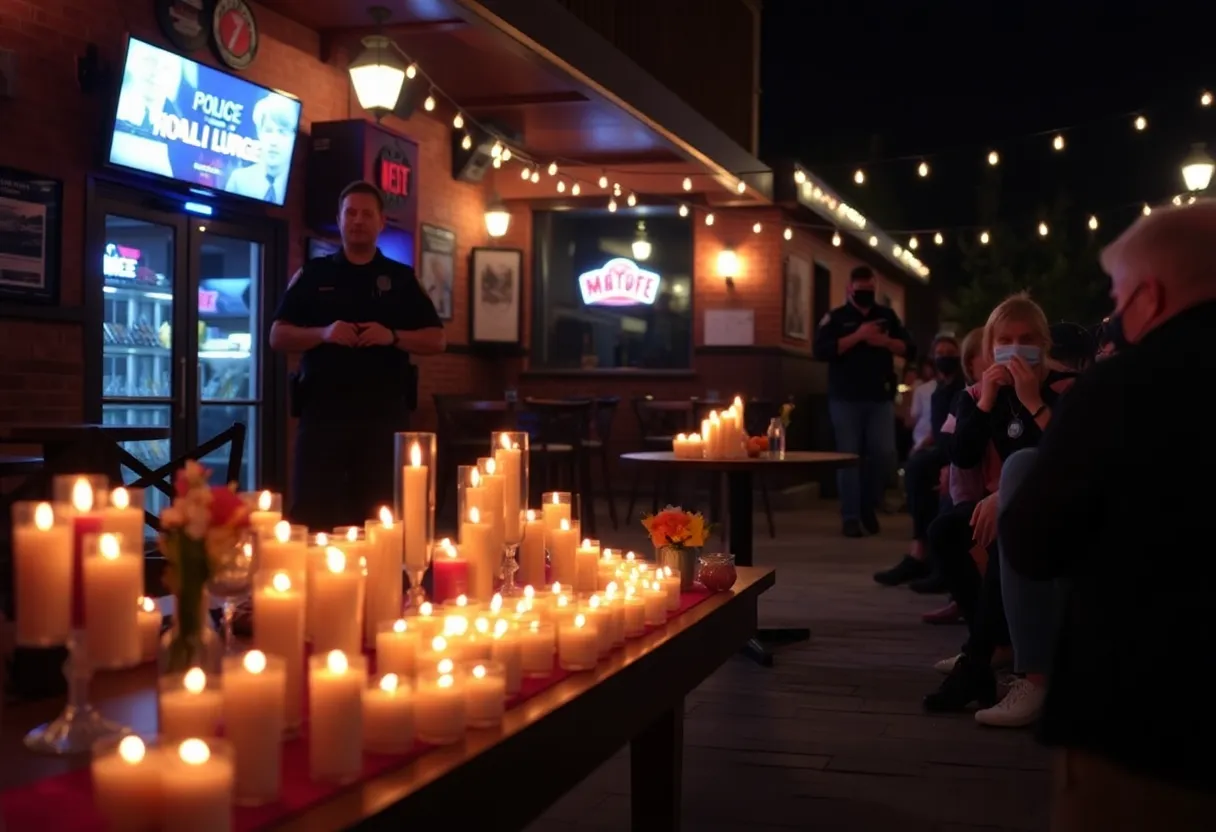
388 715
493 483
126 774
189 704
337 603
532 551
197 781
335 720
510 449
477 548
282 548
113 585
124 515
42 565
265 509
84 496
470 494
384 566
414 468
278 630
255 687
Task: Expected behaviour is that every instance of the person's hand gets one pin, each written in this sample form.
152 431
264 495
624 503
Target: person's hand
993 379
341 333
983 521
1025 384
871 332
374 335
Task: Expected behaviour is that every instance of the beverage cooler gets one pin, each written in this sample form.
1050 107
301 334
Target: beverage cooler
179 332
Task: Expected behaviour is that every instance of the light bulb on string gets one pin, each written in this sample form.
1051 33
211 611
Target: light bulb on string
873 241
1093 223
709 218
683 210
612 205
938 239
429 103
757 228
553 168
686 184
799 177
1205 99
1177 200
913 243
1042 229
496 162
535 177
788 233
741 186
1146 210
603 181
1057 143
467 142
994 158
525 174
1141 123
836 239
496 150
922 170
631 200
616 188
411 71
561 186
458 121
506 154
859 176
575 189
984 238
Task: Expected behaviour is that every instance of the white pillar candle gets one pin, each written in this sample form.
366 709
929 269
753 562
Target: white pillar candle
635 613
439 708
655 610
669 579
606 569
125 520
537 645
278 630
600 616
695 447
679 445
384 567
267 510
150 620
190 705
338 613
388 716
42 563
197 786
427 621
127 784
477 547
494 502
397 648
415 508
705 435
532 552
577 644
113 584
616 607
255 692
335 724
586 566
485 695
561 610
509 460
285 549
504 649
563 541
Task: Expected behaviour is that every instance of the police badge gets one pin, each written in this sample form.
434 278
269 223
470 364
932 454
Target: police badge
383 284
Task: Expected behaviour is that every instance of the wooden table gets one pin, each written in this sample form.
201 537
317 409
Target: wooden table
545 747
738 515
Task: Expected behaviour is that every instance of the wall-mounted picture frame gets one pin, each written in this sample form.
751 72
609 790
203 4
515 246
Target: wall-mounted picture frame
31 214
437 267
495 297
796 303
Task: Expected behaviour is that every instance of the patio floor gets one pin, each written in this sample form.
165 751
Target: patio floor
832 739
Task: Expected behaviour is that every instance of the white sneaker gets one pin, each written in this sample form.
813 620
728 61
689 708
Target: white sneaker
946 665
1020 707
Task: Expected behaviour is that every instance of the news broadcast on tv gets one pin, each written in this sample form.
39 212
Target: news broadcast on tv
186 121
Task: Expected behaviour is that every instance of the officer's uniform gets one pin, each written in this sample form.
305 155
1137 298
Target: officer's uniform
861 393
351 400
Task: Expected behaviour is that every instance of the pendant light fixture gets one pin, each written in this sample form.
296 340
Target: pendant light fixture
641 245
379 72
498 218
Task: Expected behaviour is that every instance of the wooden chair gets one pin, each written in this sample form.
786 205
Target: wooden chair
465 425
558 445
603 415
658 423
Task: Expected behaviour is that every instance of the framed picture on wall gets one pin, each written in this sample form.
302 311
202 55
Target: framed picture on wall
495 303
437 267
31 210
796 306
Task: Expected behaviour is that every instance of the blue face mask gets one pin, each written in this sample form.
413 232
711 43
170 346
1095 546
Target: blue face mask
1004 354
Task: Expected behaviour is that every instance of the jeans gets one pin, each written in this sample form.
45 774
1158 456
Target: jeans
1032 607
922 475
868 430
978 596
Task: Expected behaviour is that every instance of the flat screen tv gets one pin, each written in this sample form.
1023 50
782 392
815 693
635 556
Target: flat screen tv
185 121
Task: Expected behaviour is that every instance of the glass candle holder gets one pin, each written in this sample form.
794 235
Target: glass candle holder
449 573
336 681
415 463
124 515
42 568
255 687
479 502
126 774
197 780
531 552
511 455
151 622
335 606
189 704
439 706
397 646
586 565
385 563
716 572
279 614
265 509
282 548
113 584
388 714
599 614
558 511
505 649
537 647
485 693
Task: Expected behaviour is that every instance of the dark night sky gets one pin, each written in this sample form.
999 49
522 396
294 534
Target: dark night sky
952 84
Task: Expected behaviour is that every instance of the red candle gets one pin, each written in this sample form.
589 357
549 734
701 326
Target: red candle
449 574
85 522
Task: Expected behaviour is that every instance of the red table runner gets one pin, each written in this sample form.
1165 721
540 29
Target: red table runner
65 803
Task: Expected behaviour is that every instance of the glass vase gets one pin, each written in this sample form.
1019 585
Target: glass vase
191 642
682 561
776 438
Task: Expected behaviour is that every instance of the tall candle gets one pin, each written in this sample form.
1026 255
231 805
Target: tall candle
473 495
255 692
127 784
509 459
494 501
335 726
449 573
197 786
388 716
337 597
738 406
278 630
586 566
577 644
113 580
532 551
563 541
504 649
485 695
439 708
353 542
669 579
477 546
285 549
415 506
42 563
714 437
267 510
86 520
555 507
124 519
150 621
189 705
426 620
384 565
655 597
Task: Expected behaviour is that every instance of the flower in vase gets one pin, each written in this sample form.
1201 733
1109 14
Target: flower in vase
787 410
673 526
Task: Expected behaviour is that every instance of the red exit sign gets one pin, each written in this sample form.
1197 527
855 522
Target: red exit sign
394 178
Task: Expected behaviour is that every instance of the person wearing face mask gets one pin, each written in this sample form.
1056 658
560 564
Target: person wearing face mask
859 340
1132 738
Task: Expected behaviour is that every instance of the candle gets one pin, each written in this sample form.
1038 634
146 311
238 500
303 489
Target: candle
655 598
335 724
439 707
125 519
255 694
42 562
266 512
635 613
315 561
190 705
679 446
485 695
537 644
126 784
477 546
337 596
577 644
504 649
477 646
509 460
113 579
561 610
493 502
415 510
695 447
563 541
425 621
388 716
284 549
586 566
599 615
197 784
532 551
397 648
278 630
149 621
606 568
616 607
353 542
669 579
449 573
384 565
86 521
556 508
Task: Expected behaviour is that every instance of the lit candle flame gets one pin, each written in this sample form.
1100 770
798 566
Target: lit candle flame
563 601
681 437
255 661
82 495
107 547
608 554
531 516
474 515
500 628
352 534
389 682
714 419
529 592
120 498
280 582
426 608
482 625
534 626
415 455
132 750
557 588
335 560
505 441
522 607
445 666
556 498
462 601
195 680
439 644
586 543
147 604
194 752
336 661
399 626
386 517
322 539
474 478
282 531
594 602
496 602
490 466
44 517
479 672
630 556
449 549
445 681
580 620
629 592
564 525
667 573
265 501
694 437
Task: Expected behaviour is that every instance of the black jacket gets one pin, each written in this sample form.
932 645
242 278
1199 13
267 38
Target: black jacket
864 373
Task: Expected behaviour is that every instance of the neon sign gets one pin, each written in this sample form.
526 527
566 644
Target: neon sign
120 261
619 282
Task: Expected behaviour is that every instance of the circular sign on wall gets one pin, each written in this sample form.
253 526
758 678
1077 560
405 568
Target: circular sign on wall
184 23
234 33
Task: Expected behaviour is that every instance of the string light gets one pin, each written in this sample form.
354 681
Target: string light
799 177
525 174
709 218
741 187
1058 142
553 168
429 103
631 200
788 233
994 158
938 239
506 154
922 170
859 177
561 186
756 229
683 210
1177 200
836 239
913 244
616 188
1205 99
496 150
874 241
1042 229
687 183
535 177
1146 210
612 205
458 121
984 238
1141 123
1093 223
467 142
603 180
576 189
496 162
411 71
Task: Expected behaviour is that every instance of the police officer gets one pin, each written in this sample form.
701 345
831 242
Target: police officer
859 340
356 316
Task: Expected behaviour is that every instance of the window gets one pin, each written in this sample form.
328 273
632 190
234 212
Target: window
612 290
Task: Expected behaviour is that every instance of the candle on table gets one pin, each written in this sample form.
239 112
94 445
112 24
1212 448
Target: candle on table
353 542
113 584
267 510
679 446
537 644
655 610
278 630
494 504
125 518
197 780
335 720
388 716
449 573
42 563
563 541
439 707
384 566
586 566
635 613
86 521
284 549
337 595
713 436
477 546
426 621
616 607
314 561
477 646
415 506
397 648
189 704
126 783
606 568
504 649
150 621
434 652
695 446
509 459
705 437
600 616
670 580
532 551
255 694
577 644
485 694
561 610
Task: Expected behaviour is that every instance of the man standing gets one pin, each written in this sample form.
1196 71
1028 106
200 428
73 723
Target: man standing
1119 503
356 316
858 341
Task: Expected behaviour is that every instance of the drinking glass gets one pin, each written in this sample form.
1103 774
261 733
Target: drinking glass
230 581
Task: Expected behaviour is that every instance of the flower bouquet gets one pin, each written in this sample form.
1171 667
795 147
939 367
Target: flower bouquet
200 534
677 535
